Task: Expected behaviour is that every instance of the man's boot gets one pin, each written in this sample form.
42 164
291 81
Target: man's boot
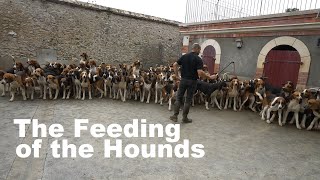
185 113
176 112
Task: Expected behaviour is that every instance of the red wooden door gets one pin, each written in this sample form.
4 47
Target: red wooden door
282 66
208 57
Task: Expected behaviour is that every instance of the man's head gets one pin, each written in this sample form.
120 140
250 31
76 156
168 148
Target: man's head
196 48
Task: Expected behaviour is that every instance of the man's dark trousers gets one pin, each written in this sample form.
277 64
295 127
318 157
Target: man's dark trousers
189 86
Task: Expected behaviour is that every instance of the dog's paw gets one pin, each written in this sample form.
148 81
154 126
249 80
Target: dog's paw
268 121
298 127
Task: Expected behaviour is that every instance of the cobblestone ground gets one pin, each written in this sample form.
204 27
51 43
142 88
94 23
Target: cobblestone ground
238 145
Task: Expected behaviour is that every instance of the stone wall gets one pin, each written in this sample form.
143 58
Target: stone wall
61 30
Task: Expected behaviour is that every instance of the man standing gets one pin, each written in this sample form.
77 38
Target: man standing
191 68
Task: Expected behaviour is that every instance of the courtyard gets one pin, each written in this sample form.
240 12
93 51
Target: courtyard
237 145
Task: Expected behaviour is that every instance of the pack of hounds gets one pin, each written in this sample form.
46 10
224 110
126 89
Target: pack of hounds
133 82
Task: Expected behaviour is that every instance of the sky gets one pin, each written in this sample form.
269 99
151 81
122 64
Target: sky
168 9
204 10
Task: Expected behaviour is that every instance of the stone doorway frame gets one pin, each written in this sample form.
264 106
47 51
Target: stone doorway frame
217 47
299 46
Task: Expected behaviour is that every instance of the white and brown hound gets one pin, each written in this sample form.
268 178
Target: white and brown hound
293 106
233 93
85 84
277 105
53 83
16 83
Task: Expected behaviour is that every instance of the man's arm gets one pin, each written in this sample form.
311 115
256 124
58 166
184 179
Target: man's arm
202 74
200 71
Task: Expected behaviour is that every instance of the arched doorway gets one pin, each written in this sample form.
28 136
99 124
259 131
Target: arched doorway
217 50
282 64
208 57
297 44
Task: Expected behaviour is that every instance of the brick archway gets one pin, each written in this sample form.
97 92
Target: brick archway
215 44
295 43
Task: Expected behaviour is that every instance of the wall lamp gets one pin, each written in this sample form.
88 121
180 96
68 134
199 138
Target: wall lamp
239 43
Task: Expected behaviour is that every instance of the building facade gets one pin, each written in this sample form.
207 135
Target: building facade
281 47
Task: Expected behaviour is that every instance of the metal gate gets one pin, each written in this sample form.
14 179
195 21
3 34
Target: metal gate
208 57
282 66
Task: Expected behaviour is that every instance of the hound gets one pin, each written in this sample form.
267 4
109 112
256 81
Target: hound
173 93
3 85
159 88
66 85
137 89
75 77
108 84
247 94
42 82
115 86
314 105
307 112
29 87
232 94
122 90
53 85
16 82
85 84
208 89
147 84
277 105
136 68
293 106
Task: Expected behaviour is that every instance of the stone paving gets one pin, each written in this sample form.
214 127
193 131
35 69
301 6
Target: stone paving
238 145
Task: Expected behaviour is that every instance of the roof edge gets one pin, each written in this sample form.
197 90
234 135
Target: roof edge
120 12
